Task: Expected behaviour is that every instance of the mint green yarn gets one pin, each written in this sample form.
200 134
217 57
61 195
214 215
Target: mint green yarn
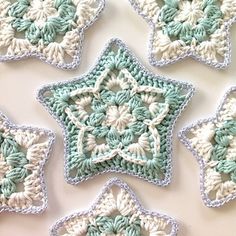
16 159
114 225
219 152
200 32
53 27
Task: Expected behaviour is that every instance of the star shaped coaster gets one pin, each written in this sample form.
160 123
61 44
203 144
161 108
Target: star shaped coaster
51 30
23 153
117 118
188 28
116 214
213 143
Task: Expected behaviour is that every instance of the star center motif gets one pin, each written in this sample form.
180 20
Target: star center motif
189 12
119 117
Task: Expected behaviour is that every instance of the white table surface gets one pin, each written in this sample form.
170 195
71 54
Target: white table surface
19 82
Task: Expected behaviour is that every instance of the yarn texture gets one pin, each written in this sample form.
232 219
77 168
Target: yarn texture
23 153
181 28
117 118
213 141
115 214
49 29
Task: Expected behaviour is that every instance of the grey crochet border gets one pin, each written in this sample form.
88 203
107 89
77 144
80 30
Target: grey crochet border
111 183
118 43
190 53
51 137
79 47
183 138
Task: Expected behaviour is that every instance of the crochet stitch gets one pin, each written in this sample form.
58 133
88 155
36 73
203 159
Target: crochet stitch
181 28
23 153
117 118
213 141
49 29
116 214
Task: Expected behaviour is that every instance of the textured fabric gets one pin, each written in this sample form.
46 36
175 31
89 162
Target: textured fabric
180 28
23 153
115 214
118 117
213 141
49 29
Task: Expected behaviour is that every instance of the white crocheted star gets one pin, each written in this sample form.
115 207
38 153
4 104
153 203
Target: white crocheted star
115 214
213 142
182 28
23 153
51 30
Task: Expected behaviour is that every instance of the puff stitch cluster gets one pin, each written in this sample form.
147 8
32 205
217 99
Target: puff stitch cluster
213 142
49 29
23 153
115 214
181 28
117 118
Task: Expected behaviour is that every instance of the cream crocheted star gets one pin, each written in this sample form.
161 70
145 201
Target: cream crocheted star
23 153
115 214
181 28
49 29
213 142
117 118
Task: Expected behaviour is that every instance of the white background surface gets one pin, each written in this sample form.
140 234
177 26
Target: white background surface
19 82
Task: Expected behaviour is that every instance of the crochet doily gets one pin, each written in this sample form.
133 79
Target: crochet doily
116 214
117 118
23 153
51 30
213 142
182 28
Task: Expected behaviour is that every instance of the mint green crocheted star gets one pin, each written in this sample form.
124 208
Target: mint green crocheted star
117 118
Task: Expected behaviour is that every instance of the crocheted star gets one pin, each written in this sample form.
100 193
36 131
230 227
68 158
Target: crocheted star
182 28
23 153
117 118
116 214
49 29
213 142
